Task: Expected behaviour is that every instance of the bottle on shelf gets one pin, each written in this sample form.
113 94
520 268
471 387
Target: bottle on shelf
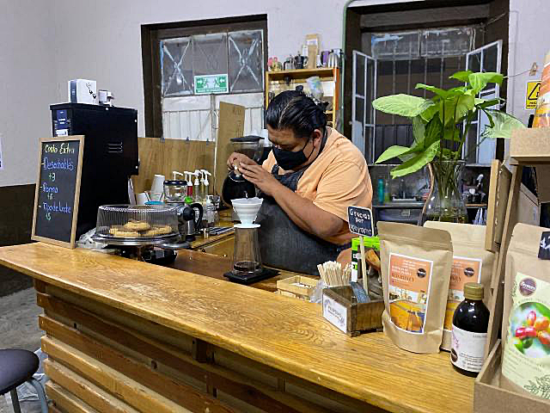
470 324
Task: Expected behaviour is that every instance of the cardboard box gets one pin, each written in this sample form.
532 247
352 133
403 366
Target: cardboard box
490 398
532 147
298 287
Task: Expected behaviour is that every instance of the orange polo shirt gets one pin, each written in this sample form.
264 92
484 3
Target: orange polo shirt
338 178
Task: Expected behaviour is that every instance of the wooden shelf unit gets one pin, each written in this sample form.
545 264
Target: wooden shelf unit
280 81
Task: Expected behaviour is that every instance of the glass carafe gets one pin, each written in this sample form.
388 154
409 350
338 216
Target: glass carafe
246 258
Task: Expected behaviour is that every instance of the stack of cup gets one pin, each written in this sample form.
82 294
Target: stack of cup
157 189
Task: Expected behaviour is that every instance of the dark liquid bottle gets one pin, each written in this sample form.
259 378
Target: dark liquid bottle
470 323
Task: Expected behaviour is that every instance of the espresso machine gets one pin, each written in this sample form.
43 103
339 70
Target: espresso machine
110 154
189 213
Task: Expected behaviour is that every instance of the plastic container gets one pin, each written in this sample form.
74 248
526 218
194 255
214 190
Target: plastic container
136 222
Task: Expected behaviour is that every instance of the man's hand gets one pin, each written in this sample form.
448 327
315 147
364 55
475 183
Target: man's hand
264 180
239 159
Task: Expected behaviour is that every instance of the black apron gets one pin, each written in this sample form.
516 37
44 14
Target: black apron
285 245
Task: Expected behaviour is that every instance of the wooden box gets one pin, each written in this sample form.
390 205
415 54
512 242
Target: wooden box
490 398
297 287
341 309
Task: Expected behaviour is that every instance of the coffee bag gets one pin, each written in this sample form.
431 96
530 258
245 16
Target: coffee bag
416 270
526 322
471 263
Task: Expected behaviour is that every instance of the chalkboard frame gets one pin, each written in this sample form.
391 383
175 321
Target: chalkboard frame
34 237
352 221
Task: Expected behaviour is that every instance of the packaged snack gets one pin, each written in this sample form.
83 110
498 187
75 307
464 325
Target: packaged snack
416 270
526 322
471 263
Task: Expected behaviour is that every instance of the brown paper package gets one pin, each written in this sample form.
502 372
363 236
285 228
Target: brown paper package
468 242
422 244
522 257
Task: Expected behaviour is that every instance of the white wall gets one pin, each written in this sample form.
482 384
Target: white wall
102 40
45 43
27 85
529 34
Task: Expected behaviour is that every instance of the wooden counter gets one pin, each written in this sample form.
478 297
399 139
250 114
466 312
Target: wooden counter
129 336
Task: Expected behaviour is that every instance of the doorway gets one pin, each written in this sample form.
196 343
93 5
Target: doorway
419 42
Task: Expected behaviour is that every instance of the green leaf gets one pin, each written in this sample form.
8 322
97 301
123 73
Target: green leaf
456 108
419 129
462 76
402 105
416 163
429 113
433 132
486 103
440 92
393 152
504 124
452 134
478 81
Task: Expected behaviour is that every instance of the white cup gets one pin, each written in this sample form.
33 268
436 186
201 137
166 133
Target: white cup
141 198
158 184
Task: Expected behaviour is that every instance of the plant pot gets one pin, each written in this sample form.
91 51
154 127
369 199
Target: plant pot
445 202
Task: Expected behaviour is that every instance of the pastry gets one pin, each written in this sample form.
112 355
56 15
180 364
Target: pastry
122 233
164 229
153 232
137 226
114 228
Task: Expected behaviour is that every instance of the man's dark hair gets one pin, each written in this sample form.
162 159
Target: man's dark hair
293 110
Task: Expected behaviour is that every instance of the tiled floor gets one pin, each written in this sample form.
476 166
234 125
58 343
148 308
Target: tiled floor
19 329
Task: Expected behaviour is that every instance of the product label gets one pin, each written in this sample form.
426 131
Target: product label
335 313
467 349
408 287
527 349
464 270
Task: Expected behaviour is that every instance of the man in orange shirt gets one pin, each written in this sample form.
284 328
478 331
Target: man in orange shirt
308 181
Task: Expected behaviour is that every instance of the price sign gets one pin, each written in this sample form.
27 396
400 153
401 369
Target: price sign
360 221
58 190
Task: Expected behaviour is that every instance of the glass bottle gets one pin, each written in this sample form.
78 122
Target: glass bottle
470 324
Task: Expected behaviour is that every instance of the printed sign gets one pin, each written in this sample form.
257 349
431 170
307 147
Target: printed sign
360 221
464 270
211 84
58 190
335 313
408 286
532 94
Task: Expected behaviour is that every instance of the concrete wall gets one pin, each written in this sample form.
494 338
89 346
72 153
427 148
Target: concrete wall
529 34
49 42
27 85
102 40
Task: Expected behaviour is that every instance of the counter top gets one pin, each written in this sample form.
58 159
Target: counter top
281 332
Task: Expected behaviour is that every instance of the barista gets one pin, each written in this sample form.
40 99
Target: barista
308 181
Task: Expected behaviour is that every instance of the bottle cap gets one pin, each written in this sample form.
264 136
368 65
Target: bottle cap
473 291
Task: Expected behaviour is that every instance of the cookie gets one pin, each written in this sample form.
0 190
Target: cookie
121 233
164 229
114 228
153 232
137 226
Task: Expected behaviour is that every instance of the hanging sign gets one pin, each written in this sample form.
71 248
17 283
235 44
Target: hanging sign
360 221
58 190
532 94
208 84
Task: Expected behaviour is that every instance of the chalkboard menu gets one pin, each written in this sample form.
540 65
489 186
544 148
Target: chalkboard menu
360 221
58 190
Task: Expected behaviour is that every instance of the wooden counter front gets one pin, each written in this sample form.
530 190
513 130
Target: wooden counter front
160 334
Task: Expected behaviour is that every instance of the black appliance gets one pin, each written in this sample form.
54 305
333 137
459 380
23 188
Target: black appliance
110 154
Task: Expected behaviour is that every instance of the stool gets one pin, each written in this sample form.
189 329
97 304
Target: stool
16 368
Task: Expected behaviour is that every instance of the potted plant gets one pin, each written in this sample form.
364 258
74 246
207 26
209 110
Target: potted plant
440 127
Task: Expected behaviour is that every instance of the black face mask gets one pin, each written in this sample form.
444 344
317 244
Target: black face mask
290 160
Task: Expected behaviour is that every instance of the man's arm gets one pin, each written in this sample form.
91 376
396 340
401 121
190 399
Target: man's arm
301 211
